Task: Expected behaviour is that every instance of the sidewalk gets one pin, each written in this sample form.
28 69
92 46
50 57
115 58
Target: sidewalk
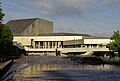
4 64
1 63
4 67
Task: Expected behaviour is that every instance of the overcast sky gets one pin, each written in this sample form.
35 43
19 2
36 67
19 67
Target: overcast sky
94 17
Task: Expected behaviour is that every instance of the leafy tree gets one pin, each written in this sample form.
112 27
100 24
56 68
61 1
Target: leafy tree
115 44
6 38
1 14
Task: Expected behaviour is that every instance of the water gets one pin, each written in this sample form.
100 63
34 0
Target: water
50 68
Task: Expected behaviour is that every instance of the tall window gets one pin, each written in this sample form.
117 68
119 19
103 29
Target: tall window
50 44
36 44
32 43
41 44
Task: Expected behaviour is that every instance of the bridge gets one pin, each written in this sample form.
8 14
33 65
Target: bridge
67 51
84 51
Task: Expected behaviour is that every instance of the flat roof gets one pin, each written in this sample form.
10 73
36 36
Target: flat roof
58 34
95 37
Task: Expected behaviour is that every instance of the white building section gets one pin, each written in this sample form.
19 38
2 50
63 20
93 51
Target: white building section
65 44
44 41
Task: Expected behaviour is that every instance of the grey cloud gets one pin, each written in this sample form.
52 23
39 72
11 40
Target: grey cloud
67 7
60 7
111 2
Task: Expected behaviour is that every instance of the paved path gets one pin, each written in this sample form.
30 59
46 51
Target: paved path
3 64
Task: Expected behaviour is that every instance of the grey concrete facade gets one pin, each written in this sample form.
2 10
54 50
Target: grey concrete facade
29 27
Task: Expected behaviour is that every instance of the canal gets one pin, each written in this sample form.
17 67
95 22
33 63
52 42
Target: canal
51 68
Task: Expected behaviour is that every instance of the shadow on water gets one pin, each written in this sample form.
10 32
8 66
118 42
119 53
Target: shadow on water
50 68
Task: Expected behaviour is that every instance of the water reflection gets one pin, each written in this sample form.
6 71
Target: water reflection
50 68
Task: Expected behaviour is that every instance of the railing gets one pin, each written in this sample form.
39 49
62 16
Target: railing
71 49
65 50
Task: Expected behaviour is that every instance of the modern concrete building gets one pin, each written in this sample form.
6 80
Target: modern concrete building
34 26
47 44
87 41
87 45
37 37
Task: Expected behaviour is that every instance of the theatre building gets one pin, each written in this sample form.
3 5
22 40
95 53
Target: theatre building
37 37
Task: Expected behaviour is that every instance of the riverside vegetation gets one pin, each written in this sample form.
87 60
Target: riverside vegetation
7 49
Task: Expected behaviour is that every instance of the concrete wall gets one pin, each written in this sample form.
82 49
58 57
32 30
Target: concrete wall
87 41
39 26
96 41
26 40
74 42
68 40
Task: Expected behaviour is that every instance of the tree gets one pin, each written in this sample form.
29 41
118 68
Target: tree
1 14
6 38
115 44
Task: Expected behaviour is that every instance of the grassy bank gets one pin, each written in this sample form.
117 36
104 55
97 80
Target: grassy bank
20 58
94 60
86 59
112 61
